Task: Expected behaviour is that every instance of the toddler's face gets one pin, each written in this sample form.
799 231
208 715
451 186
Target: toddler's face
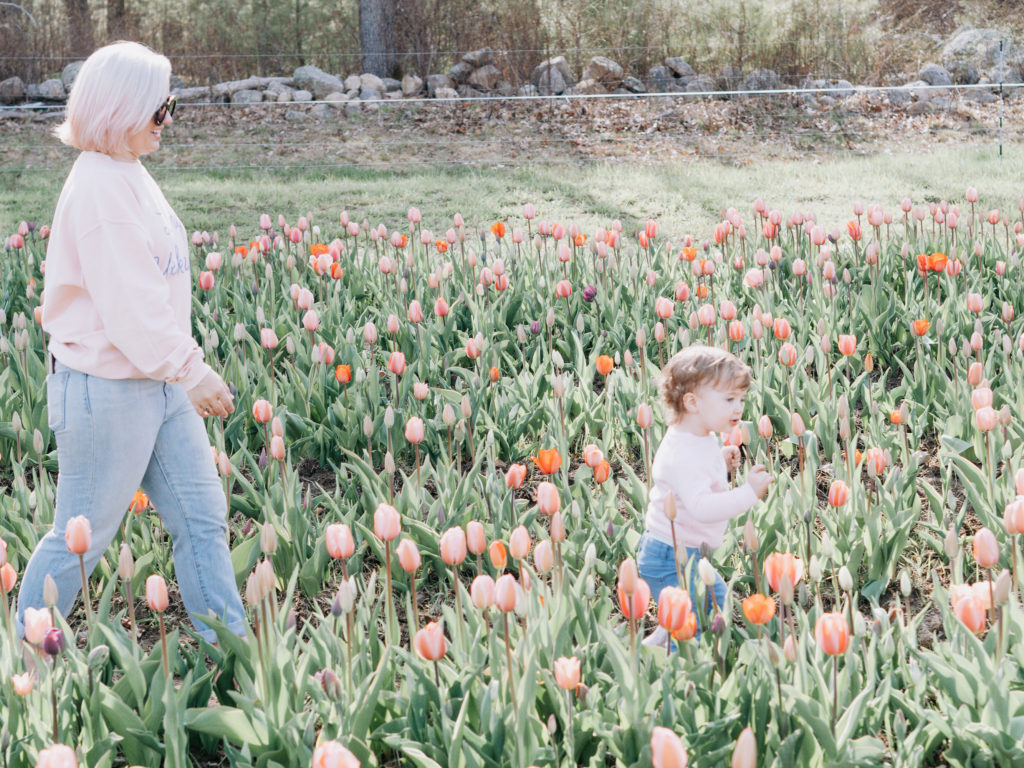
719 409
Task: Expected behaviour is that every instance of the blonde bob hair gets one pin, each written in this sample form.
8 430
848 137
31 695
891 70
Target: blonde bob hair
115 94
698 366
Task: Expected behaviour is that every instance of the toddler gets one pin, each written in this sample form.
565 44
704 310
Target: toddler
703 390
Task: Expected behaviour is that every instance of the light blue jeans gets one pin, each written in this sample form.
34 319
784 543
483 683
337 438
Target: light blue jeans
113 437
656 564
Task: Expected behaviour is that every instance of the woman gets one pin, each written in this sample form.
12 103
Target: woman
128 384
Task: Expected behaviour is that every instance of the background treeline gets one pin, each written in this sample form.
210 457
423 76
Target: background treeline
215 40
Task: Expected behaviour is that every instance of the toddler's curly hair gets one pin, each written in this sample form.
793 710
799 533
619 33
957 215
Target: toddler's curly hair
696 366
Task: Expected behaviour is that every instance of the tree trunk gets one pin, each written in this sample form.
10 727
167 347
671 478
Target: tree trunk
117 18
80 32
377 36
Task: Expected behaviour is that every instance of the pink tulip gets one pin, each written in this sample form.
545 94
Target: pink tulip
548 499
453 546
628 576
37 623
986 419
563 289
476 538
519 543
663 307
764 427
440 307
667 749
268 338
414 430
386 522
430 642
415 312
408 556
797 424
986 548
57 756
340 543
505 592
277 448
156 593
543 556
310 320
370 332
974 302
331 754
78 535
644 416
481 592
396 363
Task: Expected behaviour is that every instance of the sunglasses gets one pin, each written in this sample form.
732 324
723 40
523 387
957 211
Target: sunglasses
167 108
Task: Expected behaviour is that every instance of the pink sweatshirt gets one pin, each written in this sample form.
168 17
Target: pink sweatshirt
692 468
118 299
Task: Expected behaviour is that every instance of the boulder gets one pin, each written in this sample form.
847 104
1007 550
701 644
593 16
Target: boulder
658 78
369 94
390 84
234 86
978 46
730 78
898 97
283 96
965 73
528 90
762 80
12 90
353 83
302 95
934 74
32 92
589 86
479 58
919 90
318 82
392 95
919 108
460 72
633 85
840 88
445 92
603 70
337 98
979 95
322 111
353 109
294 115
467 91
52 90
552 76
371 81
505 88
276 86
435 82
701 84
247 96
69 73
412 86
1004 73
679 67
485 78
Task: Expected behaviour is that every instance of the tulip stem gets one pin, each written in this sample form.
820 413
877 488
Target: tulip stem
53 698
387 573
508 661
163 644
131 612
85 594
835 692
458 604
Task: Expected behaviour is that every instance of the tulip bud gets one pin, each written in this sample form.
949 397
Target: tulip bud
389 417
905 584
952 544
845 579
744 755
268 539
367 426
706 571
1002 587
125 562
50 594
98 656
814 569
389 463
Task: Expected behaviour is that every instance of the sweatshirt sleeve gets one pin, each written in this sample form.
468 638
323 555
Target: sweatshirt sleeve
132 299
705 505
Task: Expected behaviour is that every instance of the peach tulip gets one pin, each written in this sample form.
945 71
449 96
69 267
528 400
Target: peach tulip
387 523
673 606
453 546
736 331
787 354
498 554
268 339
981 397
414 430
974 302
8 577
156 593
567 673
37 623
505 593
781 328
847 344
602 472
986 548
548 499
644 415
415 312
519 543
1013 515
22 684
628 576
515 475
476 539
667 749
277 448
975 373
481 592
441 307
797 424
838 493
340 543
779 564
78 535
543 556
971 611
758 608
744 754
396 363
57 756
408 555
563 289
832 633
986 419
430 642
262 411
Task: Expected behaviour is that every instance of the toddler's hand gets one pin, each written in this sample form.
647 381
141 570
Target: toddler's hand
731 454
759 480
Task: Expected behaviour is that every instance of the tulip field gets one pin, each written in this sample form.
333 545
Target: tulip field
437 475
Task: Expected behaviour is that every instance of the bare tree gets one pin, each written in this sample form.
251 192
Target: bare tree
81 40
377 36
117 20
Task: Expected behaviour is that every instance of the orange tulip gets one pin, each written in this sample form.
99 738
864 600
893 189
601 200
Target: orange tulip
920 327
875 460
781 328
736 331
498 229
548 499
494 374
986 548
515 475
331 754
343 373
605 364
758 608
838 493
567 673
896 417
396 363
430 642
548 460
340 543
78 535
498 554
832 633
689 630
156 593
408 556
673 606
787 354
453 546
139 503
937 261
667 749
634 606
602 472
778 564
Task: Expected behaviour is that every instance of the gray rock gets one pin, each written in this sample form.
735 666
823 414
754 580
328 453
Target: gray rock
369 94
276 87
1004 73
658 79
371 81
505 88
979 95
701 84
390 84
460 72
730 78
322 111
552 76
337 98
620 91
392 95
528 90
412 86
353 83
302 95
762 80
603 70
940 103
284 96
633 85
69 73
919 108
479 58
919 90
589 86
52 90
294 115
318 82
247 96
353 109
12 90
840 88
965 73
978 46
446 93
898 97
234 86
679 66
32 92
435 82
934 74
485 78
467 91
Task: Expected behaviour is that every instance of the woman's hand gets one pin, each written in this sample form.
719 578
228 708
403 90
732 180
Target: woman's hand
211 396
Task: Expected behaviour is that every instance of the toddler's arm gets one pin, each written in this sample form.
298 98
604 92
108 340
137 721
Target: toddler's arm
705 505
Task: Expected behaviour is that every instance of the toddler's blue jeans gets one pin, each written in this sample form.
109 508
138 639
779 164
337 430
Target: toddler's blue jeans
656 563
